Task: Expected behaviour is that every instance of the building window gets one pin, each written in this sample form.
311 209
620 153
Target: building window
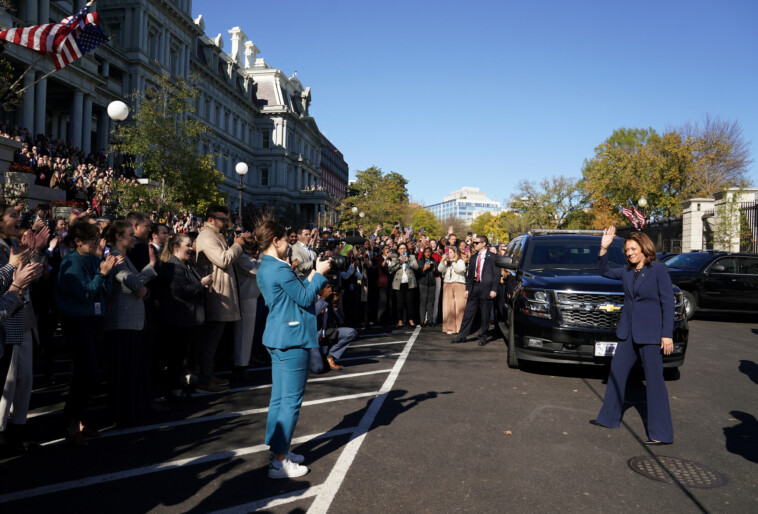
264 176
265 138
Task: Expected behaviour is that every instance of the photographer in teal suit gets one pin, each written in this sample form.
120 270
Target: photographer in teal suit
291 331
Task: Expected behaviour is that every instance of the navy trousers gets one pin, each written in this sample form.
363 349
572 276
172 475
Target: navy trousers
659 425
346 336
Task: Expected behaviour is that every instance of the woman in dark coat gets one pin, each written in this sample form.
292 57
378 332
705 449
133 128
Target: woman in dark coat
182 309
427 286
645 331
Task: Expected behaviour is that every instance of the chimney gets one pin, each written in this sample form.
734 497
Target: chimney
238 39
251 54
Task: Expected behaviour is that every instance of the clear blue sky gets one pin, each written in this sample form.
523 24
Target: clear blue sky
487 93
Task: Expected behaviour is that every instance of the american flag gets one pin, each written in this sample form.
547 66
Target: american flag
632 217
639 217
65 42
81 40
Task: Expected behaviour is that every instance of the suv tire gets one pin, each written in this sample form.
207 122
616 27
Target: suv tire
511 358
690 304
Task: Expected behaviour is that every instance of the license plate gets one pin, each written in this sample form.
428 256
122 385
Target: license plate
605 349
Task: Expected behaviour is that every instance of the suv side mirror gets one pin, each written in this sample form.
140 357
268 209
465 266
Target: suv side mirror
717 268
506 262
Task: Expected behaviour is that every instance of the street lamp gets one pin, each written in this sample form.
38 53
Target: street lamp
241 169
118 112
642 202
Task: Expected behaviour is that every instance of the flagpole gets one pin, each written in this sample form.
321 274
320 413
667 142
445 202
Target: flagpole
36 81
51 72
38 59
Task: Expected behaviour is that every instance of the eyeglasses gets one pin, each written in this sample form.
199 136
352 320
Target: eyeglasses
220 219
478 242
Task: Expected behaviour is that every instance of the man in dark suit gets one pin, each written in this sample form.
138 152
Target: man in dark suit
482 280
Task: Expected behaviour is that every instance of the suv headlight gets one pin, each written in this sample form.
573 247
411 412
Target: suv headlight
536 303
678 306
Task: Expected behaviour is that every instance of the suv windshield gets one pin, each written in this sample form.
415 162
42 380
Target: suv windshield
689 261
569 254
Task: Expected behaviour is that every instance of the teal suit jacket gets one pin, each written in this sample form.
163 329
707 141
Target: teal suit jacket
291 300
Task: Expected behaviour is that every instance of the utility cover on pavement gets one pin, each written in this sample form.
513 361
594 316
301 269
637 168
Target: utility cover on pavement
681 472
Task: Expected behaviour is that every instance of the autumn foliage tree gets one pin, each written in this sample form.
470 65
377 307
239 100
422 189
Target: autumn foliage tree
666 169
382 198
548 203
164 138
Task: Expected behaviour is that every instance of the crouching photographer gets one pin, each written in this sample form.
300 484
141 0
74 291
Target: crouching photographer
333 338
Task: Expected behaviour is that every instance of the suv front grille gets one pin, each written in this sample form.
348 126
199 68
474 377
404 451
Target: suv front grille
596 310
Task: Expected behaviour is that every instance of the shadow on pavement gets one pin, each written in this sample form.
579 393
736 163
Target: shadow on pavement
742 439
750 369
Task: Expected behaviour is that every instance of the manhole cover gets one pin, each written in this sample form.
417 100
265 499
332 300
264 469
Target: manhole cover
682 472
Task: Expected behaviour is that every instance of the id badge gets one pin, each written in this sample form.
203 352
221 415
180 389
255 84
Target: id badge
98 309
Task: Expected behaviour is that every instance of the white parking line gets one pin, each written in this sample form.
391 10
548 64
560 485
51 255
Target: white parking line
217 417
342 466
165 466
324 493
273 501
376 344
58 407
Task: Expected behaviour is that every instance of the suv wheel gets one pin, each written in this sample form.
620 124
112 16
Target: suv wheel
690 304
511 359
670 373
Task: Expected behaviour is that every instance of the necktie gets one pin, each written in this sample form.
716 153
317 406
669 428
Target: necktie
479 268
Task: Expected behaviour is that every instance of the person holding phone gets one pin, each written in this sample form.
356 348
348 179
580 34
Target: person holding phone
402 268
453 268
427 287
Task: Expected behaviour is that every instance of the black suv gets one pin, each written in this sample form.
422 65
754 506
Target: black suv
716 281
554 307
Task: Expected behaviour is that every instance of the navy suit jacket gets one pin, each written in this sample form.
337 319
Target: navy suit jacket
490 279
648 313
291 321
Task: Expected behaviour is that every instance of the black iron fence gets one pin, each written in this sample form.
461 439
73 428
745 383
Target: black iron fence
748 226
665 234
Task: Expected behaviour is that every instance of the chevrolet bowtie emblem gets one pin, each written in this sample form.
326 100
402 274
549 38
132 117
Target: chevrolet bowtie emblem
608 307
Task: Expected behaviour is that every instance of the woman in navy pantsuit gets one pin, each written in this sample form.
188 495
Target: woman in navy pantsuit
290 333
645 331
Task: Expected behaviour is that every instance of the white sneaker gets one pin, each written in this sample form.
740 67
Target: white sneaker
288 469
293 457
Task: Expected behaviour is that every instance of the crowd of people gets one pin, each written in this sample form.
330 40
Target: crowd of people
88 180
149 305
144 303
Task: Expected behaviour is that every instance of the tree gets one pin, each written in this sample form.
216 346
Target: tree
460 227
140 197
549 203
382 198
665 169
720 154
419 217
478 226
165 138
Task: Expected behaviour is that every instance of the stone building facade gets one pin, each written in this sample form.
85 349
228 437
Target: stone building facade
256 114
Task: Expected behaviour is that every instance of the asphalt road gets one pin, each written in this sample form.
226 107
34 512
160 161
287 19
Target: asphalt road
414 424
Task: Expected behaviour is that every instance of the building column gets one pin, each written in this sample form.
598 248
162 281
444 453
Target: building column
55 123
27 108
87 126
31 13
77 110
40 106
103 130
44 11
